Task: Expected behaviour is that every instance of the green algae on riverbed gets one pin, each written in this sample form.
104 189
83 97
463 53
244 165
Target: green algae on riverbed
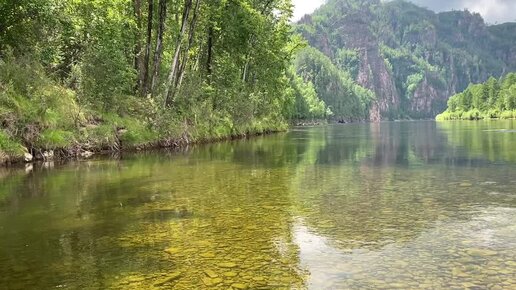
366 206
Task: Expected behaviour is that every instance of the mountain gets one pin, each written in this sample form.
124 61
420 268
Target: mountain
411 58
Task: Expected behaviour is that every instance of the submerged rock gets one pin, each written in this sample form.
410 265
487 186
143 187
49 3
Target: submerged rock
211 282
239 286
208 255
230 274
169 278
172 251
481 252
211 273
227 265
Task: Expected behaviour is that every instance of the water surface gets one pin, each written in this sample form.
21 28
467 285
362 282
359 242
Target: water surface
365 206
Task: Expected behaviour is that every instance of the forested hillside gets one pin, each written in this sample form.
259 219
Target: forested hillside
489 100
411 58
79 76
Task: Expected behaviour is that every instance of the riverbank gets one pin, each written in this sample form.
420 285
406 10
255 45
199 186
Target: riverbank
118 135
120 143
476 115
43 119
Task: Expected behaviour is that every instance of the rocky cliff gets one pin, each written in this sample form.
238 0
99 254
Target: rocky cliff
411 58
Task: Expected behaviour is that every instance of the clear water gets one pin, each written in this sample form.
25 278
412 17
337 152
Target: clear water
367 206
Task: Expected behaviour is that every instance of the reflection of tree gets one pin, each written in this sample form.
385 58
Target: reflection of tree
56 223
491 140
107 224
273 151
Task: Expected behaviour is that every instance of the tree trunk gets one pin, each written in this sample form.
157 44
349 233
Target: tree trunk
251 42
246 68
184 62
175 62
209 60
159 45
137 5
145 69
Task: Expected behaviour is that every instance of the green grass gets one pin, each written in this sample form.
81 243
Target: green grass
9 149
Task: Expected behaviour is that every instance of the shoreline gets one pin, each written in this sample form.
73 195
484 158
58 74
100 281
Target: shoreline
79 153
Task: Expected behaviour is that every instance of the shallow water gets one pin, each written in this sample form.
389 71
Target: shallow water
366 206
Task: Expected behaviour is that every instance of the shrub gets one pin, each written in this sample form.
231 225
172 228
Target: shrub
9 146
51 139
508 115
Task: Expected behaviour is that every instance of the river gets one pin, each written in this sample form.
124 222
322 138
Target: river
394 205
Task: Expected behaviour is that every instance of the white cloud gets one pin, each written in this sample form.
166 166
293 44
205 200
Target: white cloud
493 10
302 7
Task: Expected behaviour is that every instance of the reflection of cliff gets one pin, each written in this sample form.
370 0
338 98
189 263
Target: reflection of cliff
377 184
344 144
405 144
368 207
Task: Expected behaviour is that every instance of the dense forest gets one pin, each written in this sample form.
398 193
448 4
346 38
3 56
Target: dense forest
81 76
489 100
412 59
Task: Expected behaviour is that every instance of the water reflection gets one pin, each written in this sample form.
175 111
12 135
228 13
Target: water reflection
391 205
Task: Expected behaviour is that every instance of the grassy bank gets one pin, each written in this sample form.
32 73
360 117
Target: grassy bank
121 133
45 119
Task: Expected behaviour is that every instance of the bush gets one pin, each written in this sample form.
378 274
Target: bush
31 103
508 115
9 146
472 115
52 139
137 133
492 114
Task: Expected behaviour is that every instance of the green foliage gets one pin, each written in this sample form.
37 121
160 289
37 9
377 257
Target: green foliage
490 100
106 74
346 99
54 139
78 73
9 146
31 103
307 104
348 60
413 82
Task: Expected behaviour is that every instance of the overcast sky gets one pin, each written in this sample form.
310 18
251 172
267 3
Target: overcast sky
493 11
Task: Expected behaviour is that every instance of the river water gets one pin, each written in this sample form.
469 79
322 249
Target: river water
399 205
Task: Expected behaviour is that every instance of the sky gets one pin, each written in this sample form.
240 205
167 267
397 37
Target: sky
493 11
